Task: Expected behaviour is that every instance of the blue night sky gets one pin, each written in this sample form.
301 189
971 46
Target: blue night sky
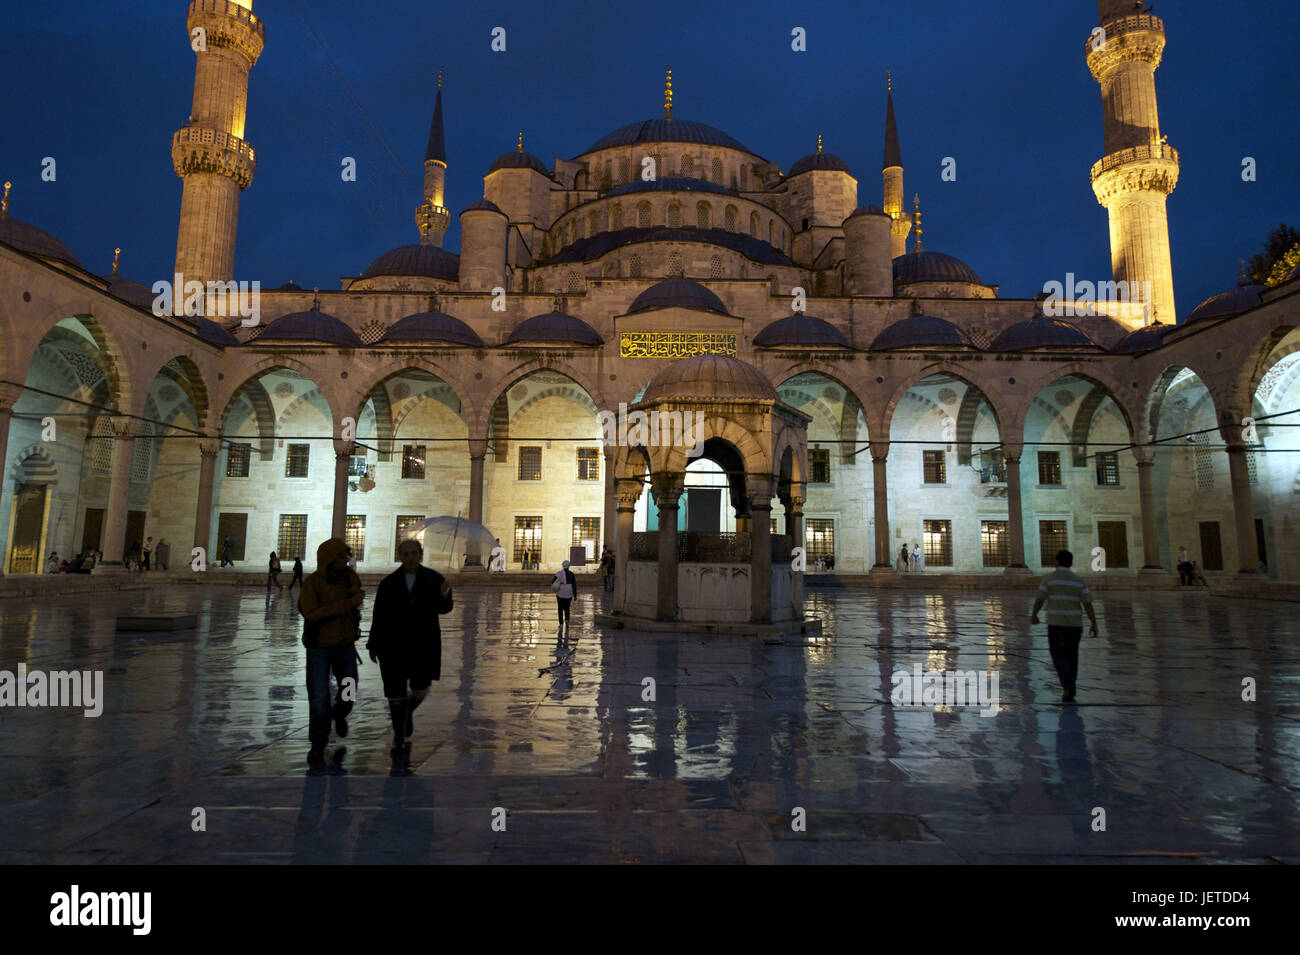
1002 87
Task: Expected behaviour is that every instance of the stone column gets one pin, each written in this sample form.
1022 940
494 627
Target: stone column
1015 512
339 514
9 395
608 527
667 491
1243 508
628 493
477 454
208 451
880 494
1146 459
118 488
760 547
793 503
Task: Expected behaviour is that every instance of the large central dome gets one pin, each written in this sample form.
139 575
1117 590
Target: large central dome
667 131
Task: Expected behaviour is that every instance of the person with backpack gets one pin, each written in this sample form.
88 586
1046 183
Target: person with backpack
405 637
273 573
330 603
297 574
565 588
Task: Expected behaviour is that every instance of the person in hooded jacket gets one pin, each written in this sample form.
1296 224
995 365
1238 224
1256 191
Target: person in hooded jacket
330 603
405 637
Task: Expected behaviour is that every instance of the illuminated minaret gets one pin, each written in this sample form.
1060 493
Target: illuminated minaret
1139 170
893 176
431 216
209 152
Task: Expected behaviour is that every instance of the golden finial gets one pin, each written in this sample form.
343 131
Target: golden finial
4 203
668 95
819 142
889 81
116 253
440 77
916 220
521 140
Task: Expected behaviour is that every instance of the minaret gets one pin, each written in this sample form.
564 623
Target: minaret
209 152
893 175
431 216
1138 170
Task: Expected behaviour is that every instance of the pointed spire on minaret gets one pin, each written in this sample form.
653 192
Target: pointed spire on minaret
521 140
116 253
668 96
916 221
4 203
437 148
893 154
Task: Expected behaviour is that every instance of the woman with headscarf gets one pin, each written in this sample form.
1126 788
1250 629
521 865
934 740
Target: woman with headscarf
565 586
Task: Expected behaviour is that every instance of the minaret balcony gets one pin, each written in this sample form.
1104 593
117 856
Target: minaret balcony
204 149
1140 36
1152 167
229 25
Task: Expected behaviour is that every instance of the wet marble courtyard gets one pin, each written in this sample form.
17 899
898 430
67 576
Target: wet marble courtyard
752 750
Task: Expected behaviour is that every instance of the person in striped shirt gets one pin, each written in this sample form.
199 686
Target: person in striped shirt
1067 596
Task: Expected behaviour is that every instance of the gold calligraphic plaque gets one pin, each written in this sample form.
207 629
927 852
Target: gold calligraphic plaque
675 344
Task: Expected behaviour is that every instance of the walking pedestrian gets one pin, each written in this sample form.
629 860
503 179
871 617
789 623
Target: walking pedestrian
145 552
132 559
1184 567
297 574
273 573
330 602
902 559
405 636
162 554
607 561
565 587
228 550
918 558
1067 596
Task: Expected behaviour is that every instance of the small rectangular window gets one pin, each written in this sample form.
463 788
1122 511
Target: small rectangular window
1049 467
292 540
819 537
995 543
937 541
819 466
354 535
403 522
1108 468
588 464
1052 536
935 470
528 539
238 457
413 461
586 534
357 465
296 459
530 464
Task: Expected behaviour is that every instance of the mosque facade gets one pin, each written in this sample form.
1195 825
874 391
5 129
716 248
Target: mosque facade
988 431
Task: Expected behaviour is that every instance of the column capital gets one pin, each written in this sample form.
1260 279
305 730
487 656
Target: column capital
343 449
209 447
627 491
1144 454
121 426
667 487
478 447
758 489
879 450
1011 450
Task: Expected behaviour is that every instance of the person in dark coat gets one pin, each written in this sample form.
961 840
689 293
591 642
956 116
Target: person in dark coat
297 573
330 603
405 637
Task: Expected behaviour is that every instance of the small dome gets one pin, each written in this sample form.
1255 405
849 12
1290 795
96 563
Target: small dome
25 237
677 293
922 331
709 377
666 131
555 327
421 259
485 204
313 327
1141 339
802 330
1041 332
867 210
828 162
1227 304
212 333
290 286
669 184
932 267
518 159
133 293
432 327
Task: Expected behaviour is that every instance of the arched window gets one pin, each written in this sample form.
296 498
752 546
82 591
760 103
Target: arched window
675 268
715 267
688 166
717 171
643 215
771 232
704 216
610 269
674 215
580 180
616 217
624 169
605 180
753 224
594 220
731 216
634 267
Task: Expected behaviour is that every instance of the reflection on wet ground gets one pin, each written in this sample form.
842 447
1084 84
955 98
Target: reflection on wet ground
740 736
